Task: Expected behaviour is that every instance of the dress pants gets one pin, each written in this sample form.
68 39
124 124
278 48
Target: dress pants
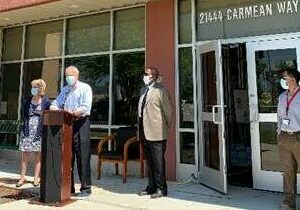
289 150
154 152
82 153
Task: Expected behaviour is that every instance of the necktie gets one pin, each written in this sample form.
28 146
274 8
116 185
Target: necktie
144 100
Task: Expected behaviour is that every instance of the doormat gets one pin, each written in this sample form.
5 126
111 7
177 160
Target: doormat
9 194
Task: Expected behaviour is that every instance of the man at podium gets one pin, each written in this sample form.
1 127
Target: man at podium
76 98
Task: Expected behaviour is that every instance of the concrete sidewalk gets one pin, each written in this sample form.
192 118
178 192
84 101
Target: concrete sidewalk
111 194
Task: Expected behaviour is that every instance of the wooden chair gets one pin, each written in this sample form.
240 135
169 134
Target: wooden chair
125 146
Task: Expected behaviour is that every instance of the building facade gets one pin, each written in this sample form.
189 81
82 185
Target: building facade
219 61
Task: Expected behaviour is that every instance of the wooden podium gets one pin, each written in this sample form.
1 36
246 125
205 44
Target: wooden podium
56 157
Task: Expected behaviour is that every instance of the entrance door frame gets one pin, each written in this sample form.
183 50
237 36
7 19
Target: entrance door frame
214 178
263 179
262 38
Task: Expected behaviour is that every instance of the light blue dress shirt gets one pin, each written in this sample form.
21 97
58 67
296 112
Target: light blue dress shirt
77 97
293 114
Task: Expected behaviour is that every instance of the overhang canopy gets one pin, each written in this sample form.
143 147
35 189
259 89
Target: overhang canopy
45 9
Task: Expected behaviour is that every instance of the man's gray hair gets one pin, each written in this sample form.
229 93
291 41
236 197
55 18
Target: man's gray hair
74 69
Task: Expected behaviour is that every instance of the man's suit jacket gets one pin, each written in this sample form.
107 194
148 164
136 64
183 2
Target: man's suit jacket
156 113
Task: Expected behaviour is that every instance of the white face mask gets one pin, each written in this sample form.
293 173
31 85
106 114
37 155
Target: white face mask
146 79
283 84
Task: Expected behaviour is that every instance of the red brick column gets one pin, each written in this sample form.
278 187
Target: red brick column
160 53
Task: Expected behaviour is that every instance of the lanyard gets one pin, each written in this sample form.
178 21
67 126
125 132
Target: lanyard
288 102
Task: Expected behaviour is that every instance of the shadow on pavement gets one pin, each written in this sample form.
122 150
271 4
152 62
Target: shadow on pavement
185 193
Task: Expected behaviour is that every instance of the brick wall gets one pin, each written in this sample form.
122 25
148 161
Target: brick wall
6 5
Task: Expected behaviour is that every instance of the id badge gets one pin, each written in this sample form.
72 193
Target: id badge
286 122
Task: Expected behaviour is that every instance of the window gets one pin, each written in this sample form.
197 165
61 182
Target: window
88 34
184 21
127 82
187 148
129 28
10 82
115 77
186 88
12 43
44 40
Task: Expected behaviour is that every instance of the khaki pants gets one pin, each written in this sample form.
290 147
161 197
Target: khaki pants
289 150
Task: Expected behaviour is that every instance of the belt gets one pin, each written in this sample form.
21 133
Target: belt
292 133
80 118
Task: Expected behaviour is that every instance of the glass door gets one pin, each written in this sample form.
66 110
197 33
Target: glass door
212 161
264 60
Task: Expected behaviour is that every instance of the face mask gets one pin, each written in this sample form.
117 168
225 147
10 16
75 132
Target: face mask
34 91
146 80
70 80
283 84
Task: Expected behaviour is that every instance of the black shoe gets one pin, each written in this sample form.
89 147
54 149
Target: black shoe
159 193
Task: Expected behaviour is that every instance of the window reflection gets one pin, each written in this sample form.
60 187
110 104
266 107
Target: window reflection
127 82
88 34
44 40
94 70
12 43
184 21
129 26
268 65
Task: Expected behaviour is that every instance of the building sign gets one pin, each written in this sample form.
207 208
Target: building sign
234 18
248 12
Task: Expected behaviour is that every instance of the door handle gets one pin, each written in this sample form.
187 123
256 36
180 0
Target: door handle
214 114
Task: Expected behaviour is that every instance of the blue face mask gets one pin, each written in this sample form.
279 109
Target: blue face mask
70 80
34 91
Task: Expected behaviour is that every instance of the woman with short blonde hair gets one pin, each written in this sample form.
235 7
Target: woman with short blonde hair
31 136
40 84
